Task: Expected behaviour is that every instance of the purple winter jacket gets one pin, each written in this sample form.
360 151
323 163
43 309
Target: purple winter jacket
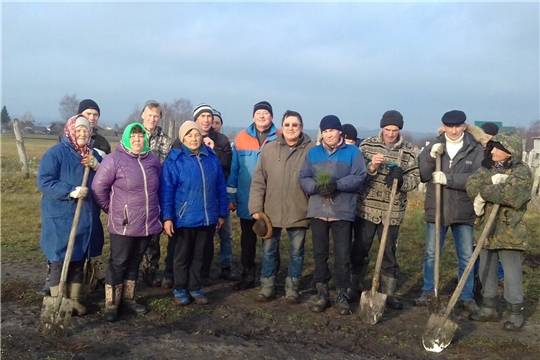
126 187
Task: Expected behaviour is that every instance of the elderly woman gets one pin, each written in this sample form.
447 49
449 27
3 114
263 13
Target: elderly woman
193 201
126 188
59 179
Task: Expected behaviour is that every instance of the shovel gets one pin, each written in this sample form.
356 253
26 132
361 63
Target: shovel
373 303
56 311
439 330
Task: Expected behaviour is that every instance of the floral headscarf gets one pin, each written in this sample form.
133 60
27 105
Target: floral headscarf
69 130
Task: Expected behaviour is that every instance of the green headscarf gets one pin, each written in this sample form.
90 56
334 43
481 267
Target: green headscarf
127 134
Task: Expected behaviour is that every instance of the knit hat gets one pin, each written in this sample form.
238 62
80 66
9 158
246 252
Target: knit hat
349 132
392 117
201 108
152 103
186 127
88 104
330 122
263 226
217 113
490 128
263 105
454 118
81 120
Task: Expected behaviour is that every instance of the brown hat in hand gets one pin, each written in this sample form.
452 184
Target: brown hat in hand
263 226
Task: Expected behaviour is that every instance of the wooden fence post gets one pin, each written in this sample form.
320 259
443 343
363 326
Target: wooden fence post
20 149
171 128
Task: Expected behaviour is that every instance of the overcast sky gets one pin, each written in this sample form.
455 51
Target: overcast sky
355 60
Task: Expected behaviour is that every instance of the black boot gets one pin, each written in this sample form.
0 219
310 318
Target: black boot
343 302
227 274
516 321
487 312
322 298
46 289
389 284
357 284
244 284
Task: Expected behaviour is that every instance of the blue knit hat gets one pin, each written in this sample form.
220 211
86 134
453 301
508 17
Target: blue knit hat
330 122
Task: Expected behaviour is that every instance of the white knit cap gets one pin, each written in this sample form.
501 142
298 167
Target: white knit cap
186 127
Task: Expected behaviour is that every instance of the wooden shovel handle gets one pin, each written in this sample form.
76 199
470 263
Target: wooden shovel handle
437 228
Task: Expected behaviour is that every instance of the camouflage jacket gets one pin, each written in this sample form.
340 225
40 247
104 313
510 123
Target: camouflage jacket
160 143
508 230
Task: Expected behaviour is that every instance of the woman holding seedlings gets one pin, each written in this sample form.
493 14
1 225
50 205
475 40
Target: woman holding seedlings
193 200
126 188
59 179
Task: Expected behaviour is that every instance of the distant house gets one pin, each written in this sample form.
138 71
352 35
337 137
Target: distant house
41 130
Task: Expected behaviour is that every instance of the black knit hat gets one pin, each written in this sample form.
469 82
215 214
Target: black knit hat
88 104
499 146
349 132
454 118
330 122
263 105
392 117
490 128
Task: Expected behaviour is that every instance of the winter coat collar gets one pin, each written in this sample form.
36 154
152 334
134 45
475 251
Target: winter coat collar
474 131
252 131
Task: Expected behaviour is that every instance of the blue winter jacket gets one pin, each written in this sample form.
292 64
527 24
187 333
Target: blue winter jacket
192 189
348 169
60 172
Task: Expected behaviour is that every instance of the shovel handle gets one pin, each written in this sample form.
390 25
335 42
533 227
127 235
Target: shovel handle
386 226
437 229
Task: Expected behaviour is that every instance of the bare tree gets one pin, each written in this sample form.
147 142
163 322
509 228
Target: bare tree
69 105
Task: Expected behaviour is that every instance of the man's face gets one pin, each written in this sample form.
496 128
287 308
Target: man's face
92 115
331 136
204 120
292 128
390 134
350 141
454 132
262 119
216 124
151 117
498 155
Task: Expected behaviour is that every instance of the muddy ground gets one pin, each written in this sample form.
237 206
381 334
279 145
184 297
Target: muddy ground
235 326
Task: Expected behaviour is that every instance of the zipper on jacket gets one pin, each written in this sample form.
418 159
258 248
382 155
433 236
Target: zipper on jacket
182 210
204 190
145 193
125 222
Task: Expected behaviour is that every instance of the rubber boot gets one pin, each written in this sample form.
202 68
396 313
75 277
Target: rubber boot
515 322
113 295
291 290
74 293
389 284
128 299
357 284
343 302
268 290
487 312
322 298
46 289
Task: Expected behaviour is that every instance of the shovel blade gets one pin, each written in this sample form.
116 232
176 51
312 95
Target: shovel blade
371 307
439 333
55 315
437 304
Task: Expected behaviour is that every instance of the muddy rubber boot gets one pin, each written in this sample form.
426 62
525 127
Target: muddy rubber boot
291 290
389 285
487 312
128 299
322 298
244 284
515 322
343 302
46 289
113 295
74 293
268 290
357 285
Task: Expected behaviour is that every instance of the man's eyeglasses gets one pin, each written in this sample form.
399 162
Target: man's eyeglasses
294 125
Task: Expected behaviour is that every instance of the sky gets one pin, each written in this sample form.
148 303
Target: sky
351 59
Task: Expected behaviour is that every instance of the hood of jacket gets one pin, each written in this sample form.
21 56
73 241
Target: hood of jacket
127 133
477 133
511 143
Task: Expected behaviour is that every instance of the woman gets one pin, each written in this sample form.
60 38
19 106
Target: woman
59 179
126 188
193 202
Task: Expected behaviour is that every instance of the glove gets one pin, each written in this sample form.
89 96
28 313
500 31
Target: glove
479 204
80 192
498 178
331 187
326 190
395 172
439 178
90 161
436 149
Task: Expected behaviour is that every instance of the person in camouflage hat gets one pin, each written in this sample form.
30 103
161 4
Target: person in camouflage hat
506 180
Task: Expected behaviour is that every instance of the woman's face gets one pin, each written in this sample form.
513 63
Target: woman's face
82 135
193 140
136 140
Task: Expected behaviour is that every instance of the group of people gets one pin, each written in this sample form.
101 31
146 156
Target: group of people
279 180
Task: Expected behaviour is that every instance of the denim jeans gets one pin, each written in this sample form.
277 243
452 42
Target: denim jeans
463 240
225 243
270 251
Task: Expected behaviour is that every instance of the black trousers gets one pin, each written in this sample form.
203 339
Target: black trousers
208 255
127 253
248 245
364 233
341 236
189 255
74 275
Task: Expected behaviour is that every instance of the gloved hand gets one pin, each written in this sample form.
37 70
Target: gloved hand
80 192
326 190
479 204
498 178
395 172
90 161
436 149
439 178
331 187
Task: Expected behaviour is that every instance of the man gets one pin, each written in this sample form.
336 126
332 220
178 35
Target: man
246 150
276 192
217 123
331 176
380 152
160 144
351 135
490 129
461 151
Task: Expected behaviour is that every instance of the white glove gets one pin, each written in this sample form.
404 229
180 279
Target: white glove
80 192
436 149
498 178
439 178
479 204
